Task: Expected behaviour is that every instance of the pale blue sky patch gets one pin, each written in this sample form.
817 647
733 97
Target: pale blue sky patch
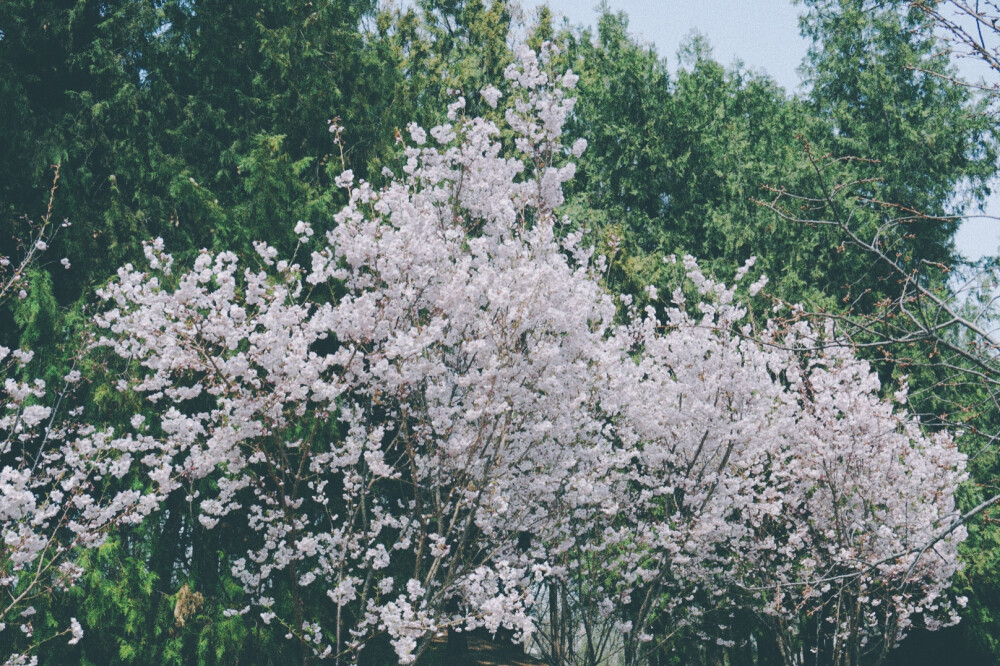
764 34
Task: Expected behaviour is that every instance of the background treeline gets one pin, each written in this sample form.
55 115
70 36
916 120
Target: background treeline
206 123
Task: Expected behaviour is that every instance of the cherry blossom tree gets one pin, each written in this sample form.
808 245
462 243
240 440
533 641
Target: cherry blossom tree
441 417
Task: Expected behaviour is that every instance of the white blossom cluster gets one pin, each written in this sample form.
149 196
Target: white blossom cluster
439 412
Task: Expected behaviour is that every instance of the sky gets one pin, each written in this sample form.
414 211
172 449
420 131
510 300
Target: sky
764 35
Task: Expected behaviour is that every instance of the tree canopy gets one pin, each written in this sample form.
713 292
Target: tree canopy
441 333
